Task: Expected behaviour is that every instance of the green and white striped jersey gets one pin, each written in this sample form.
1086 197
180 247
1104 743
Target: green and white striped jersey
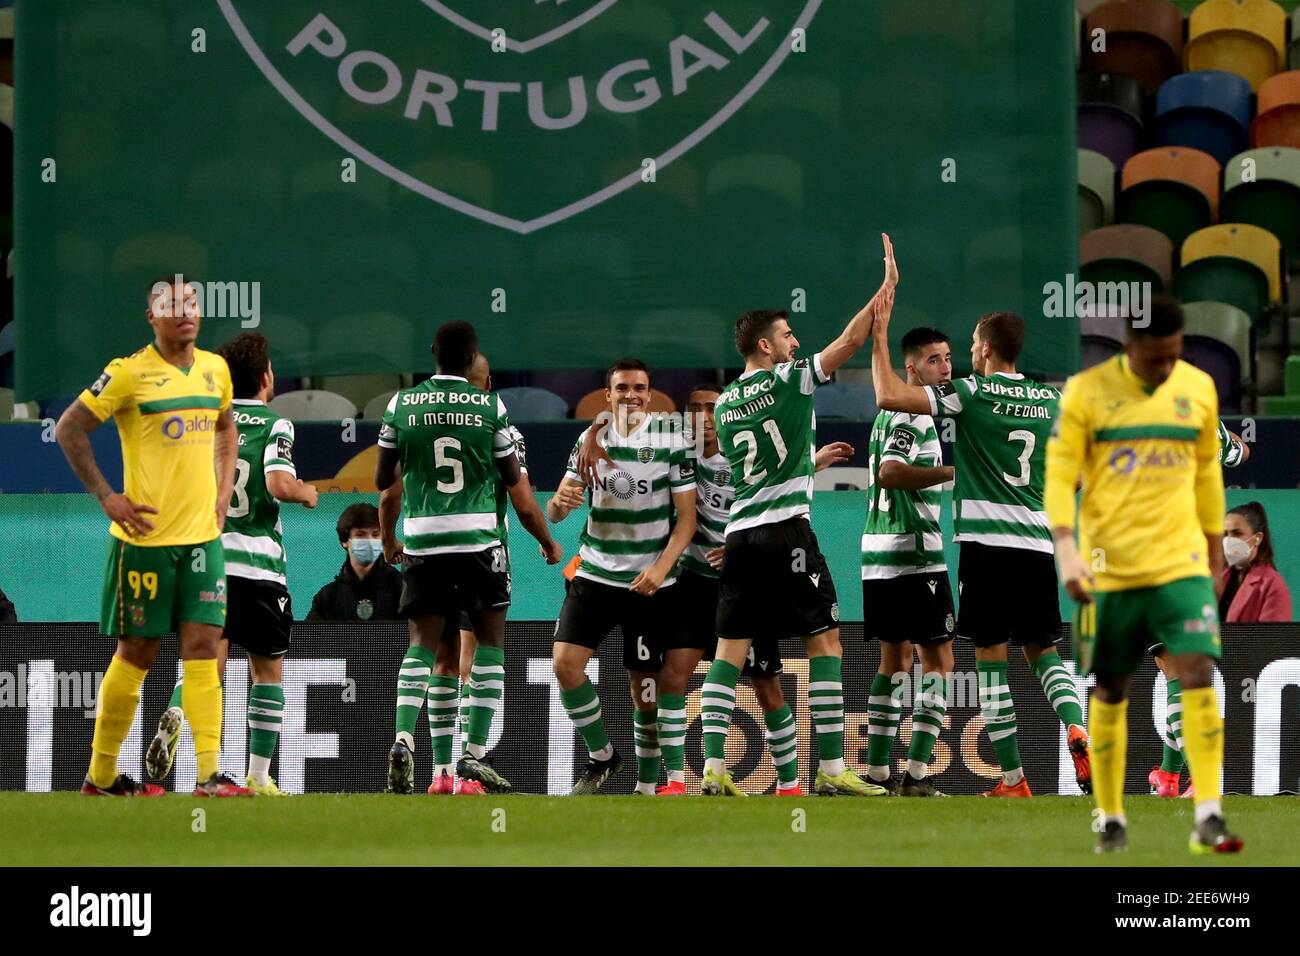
767 428
714 492
1003 423
448 435
902 534
1231 450
503 494
253 538
631 516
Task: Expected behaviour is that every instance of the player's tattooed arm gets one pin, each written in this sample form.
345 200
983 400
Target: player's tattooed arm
534 522
897 474
569 497
652 578
73 435
226 452
858 332
390 506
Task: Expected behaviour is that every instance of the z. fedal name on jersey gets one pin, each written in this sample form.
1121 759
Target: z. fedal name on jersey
1018 391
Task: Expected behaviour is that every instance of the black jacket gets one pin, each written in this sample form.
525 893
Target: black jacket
7 613
349 598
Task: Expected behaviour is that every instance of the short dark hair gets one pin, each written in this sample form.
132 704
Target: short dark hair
1254 514
626 365
918 338
454 346
246 356
1004 332
169 282
754 325
359 515
702 387
1166 319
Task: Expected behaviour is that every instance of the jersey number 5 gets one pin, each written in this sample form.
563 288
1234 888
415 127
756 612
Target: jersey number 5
441 460
748 439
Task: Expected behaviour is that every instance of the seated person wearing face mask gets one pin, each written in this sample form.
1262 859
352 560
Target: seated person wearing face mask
1253 590
367 587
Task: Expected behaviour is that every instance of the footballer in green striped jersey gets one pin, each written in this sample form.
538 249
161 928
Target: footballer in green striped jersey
432 673
641 519
259 614
449 441
775 582
1006 575
906 597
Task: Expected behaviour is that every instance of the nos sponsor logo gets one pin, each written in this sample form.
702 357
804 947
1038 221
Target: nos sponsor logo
519 113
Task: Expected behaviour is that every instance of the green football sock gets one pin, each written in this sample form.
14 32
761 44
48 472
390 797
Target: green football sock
1172 761
672 734
412 682
927 721
441 713
482 699
176 693
884 707
645 733
583 707
999 715
826 705
717 701
1059 687
783 743
265 714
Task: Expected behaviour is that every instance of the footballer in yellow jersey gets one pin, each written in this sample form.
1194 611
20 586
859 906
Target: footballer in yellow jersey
1142 432
166 568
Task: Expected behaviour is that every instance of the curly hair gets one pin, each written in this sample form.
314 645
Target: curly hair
248 361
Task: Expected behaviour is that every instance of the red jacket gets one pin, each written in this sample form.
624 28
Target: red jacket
1263 596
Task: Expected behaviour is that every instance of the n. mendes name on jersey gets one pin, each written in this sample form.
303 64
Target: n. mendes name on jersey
766 428
1003 423
631 517
902 533
448 435
253 537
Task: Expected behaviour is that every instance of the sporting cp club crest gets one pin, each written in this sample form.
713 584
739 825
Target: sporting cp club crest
365 609
645 454
518 113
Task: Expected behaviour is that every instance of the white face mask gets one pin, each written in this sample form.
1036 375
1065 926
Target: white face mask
1235 551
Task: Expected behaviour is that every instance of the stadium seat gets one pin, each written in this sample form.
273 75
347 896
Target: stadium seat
1216 339
1127 253
1096 191
533 405
740 189
570 384
1270 197
1110 115
6 404
1246 37
1207 110
375 407
27 412
593 403
1093 351
1144 40
1173 190
1277 122
357 389
1293 52
316 194
845 401
1236 263
313 405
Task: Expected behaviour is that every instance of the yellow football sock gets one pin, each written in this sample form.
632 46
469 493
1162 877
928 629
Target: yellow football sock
201 701
1108 728
1203 742
119 695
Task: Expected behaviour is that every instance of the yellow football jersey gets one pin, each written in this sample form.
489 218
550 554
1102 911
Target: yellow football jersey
1149 460
167 422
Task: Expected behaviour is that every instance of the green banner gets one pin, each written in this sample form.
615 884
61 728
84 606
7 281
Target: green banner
580 178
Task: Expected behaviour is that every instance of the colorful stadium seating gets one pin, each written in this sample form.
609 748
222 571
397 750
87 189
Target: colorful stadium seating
1208 110
1278 120
1110 115
1127 253
1245 37
313 405
1262 187
1235 263
1096 191
1143 39
533 404
1216 339
1173 190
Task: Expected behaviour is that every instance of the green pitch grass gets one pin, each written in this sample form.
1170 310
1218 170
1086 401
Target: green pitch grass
65 829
